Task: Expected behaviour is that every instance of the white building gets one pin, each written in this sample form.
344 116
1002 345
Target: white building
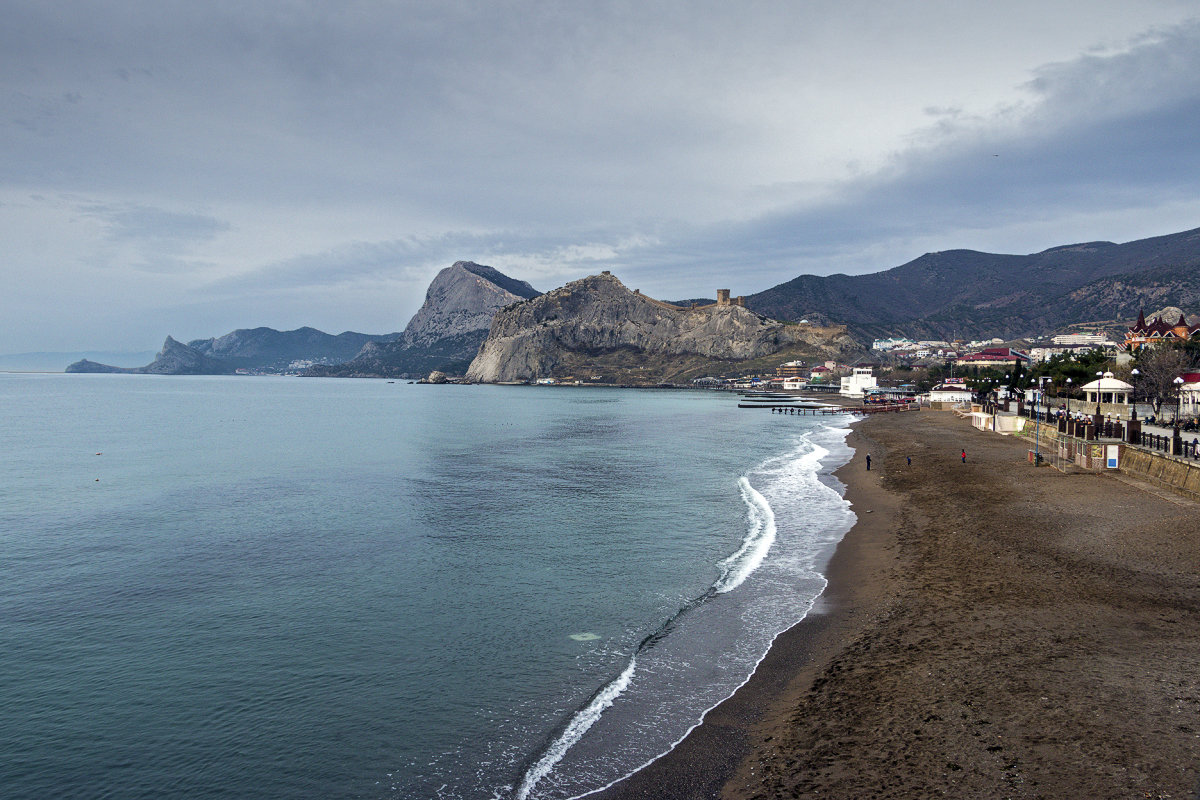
1077 339
1110 394
858 382
950 393
890 344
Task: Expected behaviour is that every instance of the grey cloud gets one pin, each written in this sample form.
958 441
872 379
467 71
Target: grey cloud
155 225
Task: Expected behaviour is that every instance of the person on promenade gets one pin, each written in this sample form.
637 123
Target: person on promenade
964 455
868 462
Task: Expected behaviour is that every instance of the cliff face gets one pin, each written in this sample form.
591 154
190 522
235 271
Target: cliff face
462 299
447 330
175 358
599 325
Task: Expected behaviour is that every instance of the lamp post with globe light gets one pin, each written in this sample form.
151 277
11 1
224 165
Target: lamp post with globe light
1099 377
1133 375
1068 398
1178 401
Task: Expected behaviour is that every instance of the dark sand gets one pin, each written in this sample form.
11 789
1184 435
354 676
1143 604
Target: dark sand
990 631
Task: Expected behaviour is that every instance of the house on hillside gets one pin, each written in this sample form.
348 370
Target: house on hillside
1144 333
997 357
820 375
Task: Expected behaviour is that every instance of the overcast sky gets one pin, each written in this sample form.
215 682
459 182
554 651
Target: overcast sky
191 168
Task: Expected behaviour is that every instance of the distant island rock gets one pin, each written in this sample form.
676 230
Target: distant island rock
597 329
445 333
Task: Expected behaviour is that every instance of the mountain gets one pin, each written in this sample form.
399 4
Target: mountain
970 294
446 331
266 348
175 358
596 328
257 349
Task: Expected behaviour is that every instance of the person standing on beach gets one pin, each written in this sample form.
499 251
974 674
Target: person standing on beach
964 456
868 462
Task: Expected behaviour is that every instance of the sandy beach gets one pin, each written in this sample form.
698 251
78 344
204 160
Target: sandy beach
990 630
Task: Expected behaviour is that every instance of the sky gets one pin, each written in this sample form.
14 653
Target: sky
191 168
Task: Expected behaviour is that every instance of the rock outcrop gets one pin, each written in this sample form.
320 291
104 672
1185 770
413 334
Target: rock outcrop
446 331
175 358
598 326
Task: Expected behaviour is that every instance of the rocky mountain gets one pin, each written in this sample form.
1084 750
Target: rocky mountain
257 349
446 331
970 294
596 328
267 348
175 358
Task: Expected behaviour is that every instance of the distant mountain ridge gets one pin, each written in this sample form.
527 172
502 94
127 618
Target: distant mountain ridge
258 348
972 294
263 349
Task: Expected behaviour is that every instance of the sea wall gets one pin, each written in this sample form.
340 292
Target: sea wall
1158 469
1165 472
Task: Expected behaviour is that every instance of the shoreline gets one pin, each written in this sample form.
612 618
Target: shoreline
989 629
708 758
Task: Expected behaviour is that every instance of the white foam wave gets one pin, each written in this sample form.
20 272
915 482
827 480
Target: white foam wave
759 538
574 731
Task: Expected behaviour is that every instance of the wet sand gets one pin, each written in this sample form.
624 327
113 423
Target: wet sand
990 631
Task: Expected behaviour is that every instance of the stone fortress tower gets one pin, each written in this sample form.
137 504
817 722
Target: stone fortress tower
723 299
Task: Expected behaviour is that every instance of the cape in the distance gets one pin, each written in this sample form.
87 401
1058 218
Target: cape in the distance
955 293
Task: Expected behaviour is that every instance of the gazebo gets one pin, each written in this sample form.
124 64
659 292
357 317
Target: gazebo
1108 391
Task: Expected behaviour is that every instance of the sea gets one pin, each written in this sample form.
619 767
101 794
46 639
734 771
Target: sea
216 587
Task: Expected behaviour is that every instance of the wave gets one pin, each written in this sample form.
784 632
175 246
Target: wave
734 570
756 545
575 730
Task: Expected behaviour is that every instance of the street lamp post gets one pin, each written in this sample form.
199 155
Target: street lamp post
1068 398
1099 377
1037 438
1133 373
1178 401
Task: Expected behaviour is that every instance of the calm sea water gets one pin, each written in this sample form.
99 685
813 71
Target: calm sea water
286 588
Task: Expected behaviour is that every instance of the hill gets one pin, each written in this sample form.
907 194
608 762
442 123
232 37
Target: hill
971 294
597 329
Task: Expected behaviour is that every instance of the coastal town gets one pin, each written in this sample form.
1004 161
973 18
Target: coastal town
1129 379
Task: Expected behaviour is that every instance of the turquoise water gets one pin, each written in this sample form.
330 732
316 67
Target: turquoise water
234 587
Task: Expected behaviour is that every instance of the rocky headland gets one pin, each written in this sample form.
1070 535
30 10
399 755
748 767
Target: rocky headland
446 331
175 358
597 330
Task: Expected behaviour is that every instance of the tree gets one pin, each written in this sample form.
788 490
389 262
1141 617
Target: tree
1157 367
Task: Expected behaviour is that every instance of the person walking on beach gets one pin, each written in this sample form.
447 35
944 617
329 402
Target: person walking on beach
964 456
868 462
909 460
